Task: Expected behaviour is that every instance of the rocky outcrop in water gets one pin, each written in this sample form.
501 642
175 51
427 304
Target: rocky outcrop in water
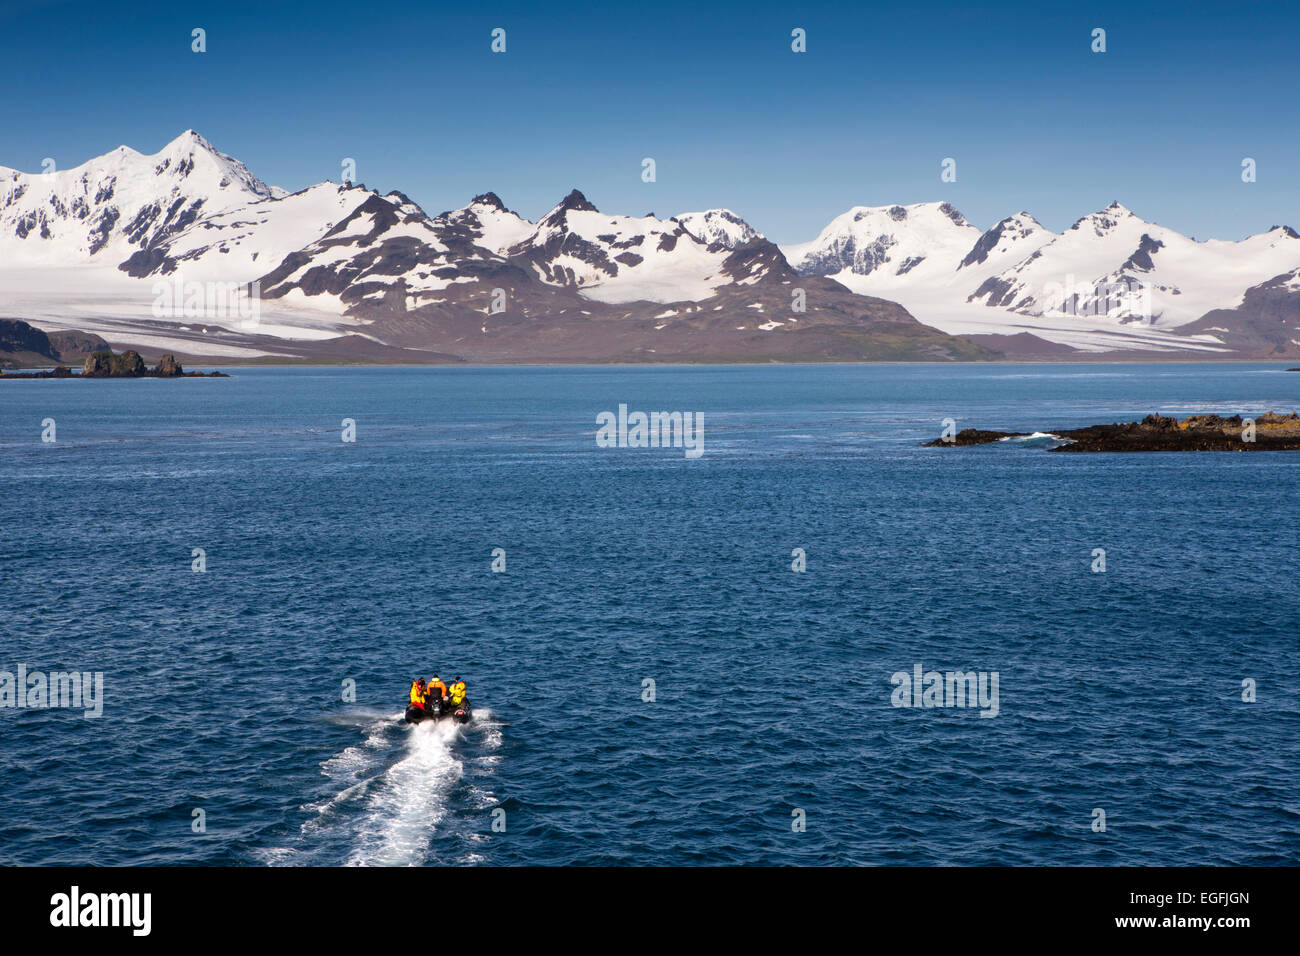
168 367
129 364
1270 431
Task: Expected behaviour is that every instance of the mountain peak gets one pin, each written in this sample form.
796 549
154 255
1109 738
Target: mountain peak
951 211
1102 221
1009 234
488 199
576 202
718 226
189 140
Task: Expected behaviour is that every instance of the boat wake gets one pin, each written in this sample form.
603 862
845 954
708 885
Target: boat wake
394 791
408 800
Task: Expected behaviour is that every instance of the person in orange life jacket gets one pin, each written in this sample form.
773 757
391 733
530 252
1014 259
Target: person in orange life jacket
418 692
437 689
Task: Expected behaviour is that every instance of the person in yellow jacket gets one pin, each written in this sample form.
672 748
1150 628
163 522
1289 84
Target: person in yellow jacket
418 692
458 692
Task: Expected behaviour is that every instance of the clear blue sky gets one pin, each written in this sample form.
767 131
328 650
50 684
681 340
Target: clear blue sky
1034 119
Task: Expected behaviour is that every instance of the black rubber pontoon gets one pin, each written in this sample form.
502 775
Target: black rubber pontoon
437 710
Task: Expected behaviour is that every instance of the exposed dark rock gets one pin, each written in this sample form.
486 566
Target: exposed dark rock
985 244
577 202
974 436
1273 431
949 210
74 345
1140 261
1161 422
17 336
149 261
128 364
1263 326
102 230
24 345
999 291
107 364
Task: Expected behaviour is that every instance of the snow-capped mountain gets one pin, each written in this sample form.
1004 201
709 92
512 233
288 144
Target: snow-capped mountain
1011 240
1113 264
617 259
386 256
883 246
343 268
484 282
718 227
878 248
241 243
486 222
389 247
118 203
1110 280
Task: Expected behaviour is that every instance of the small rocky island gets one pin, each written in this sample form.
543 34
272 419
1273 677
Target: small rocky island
22 345
109 364
1272 432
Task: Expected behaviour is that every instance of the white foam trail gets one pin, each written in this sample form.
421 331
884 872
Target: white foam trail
386 811
490 729
352 765
409 800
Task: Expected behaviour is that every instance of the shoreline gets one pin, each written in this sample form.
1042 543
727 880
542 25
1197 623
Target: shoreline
279 363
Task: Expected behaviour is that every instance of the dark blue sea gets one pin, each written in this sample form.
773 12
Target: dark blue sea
772 736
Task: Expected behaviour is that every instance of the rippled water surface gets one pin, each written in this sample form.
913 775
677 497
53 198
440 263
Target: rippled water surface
371 562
